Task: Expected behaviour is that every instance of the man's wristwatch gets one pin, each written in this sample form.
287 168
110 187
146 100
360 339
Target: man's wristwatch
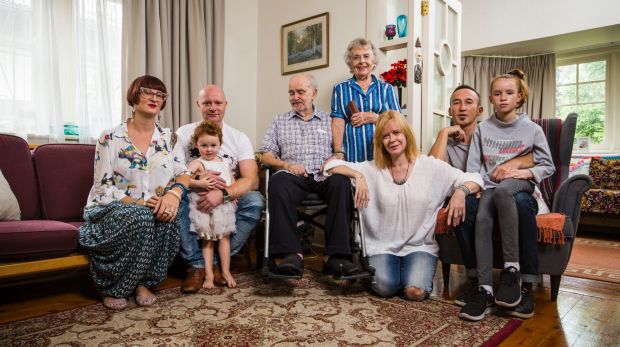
225 195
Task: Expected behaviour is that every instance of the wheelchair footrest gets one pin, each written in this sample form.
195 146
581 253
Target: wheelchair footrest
273 275
357 276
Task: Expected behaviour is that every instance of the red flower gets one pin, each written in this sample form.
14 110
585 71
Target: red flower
397 75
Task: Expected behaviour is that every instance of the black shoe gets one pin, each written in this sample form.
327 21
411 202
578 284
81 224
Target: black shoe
340 267
478 306
468 294
525 309
509 290
291 265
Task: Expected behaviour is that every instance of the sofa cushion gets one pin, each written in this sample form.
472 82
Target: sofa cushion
65 176
601 201
36 239
9 207
605 173
17 168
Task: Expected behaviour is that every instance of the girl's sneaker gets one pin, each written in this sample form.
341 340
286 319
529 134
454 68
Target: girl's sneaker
509 290
476 309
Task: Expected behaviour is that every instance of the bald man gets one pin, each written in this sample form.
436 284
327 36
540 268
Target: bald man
237 151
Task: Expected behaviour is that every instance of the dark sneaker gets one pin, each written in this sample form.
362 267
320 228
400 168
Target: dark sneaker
468 293
478 306
509 290
525 309
291 265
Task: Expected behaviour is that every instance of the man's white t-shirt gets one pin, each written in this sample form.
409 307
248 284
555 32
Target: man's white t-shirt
236 146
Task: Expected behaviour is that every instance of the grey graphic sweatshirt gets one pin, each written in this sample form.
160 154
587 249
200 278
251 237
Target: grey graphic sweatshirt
496 142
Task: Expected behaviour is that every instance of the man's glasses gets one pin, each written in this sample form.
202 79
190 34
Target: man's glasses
149 93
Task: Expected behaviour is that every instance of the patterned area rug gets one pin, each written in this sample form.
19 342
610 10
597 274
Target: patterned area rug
314 310
595 259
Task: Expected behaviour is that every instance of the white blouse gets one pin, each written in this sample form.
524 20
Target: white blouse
122 170
400 219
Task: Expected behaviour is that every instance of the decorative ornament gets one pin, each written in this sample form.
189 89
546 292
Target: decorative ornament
401 25
390 31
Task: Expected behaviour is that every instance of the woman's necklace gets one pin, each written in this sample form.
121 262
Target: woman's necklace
404 179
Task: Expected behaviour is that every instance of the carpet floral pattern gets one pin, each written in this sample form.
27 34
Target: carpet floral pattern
314 310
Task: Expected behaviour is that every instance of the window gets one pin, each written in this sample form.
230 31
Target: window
582 86
59 65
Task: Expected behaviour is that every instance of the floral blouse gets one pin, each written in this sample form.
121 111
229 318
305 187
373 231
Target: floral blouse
122 170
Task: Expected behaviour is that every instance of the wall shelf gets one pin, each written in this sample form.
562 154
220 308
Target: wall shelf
393 44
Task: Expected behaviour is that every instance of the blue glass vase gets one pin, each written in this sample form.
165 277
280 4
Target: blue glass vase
401 25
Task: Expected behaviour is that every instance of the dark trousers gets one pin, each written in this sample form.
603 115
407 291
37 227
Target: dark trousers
527 209
286 191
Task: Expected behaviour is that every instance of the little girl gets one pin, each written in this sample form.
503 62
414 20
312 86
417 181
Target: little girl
506 135
218 224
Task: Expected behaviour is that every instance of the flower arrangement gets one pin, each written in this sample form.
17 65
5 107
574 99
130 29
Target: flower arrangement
397 75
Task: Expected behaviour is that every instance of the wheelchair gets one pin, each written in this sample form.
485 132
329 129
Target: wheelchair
314 202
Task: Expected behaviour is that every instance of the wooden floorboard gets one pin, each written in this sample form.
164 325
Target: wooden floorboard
587 312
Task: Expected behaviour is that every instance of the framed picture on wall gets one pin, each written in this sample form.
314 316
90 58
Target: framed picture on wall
305 44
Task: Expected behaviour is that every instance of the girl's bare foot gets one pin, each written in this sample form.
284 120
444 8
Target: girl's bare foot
144 297
114 303
208 283
229 279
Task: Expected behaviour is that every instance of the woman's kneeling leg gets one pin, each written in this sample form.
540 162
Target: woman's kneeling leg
386 281
418 270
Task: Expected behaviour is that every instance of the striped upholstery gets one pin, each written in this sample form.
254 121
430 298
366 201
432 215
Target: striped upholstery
560 136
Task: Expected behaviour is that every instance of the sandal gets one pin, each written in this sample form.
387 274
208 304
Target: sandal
114 303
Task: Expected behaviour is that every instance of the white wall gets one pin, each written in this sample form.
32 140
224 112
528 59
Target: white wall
488 23
347 20
241 64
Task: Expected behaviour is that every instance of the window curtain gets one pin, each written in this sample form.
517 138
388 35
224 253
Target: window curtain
30 103
540 76
179 41
97 30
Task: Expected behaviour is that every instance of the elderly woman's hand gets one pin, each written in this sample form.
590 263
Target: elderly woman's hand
456 208
361 118
166 208
361 192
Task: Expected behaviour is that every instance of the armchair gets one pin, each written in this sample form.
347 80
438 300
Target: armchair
563 194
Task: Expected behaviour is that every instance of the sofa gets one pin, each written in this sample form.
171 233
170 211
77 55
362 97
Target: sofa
51 185
601 204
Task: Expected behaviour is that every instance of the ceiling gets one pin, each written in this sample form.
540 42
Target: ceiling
565 43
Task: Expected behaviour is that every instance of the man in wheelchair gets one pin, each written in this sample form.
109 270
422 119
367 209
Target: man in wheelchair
295 146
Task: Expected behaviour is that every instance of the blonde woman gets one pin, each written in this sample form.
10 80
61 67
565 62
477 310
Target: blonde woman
402 191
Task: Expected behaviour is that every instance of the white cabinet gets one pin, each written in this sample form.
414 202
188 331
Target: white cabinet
440 56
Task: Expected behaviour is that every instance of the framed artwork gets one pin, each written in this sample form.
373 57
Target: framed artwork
305 44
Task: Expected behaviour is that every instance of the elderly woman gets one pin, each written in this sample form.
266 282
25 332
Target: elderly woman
353 129
403 191
131 230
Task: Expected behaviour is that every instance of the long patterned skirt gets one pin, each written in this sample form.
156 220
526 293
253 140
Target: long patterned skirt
127 247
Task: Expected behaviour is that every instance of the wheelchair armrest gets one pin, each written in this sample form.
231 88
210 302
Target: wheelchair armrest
567 198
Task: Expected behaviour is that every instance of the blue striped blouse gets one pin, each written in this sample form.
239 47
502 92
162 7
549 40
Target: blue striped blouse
380 97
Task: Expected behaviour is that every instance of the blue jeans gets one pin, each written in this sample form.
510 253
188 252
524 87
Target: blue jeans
394 273
249 208
465 235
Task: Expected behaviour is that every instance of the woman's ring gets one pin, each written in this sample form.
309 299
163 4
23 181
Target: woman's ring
166 212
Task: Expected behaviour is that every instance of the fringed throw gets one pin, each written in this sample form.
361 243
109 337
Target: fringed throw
551 228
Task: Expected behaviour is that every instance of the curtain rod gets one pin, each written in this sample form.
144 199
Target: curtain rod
506 56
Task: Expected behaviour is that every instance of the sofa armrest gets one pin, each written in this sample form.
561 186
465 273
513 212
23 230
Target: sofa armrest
567 199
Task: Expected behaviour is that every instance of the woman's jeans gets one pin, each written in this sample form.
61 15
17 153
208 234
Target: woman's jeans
394 273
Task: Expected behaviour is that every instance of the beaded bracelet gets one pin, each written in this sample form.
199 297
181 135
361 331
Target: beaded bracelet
464 189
